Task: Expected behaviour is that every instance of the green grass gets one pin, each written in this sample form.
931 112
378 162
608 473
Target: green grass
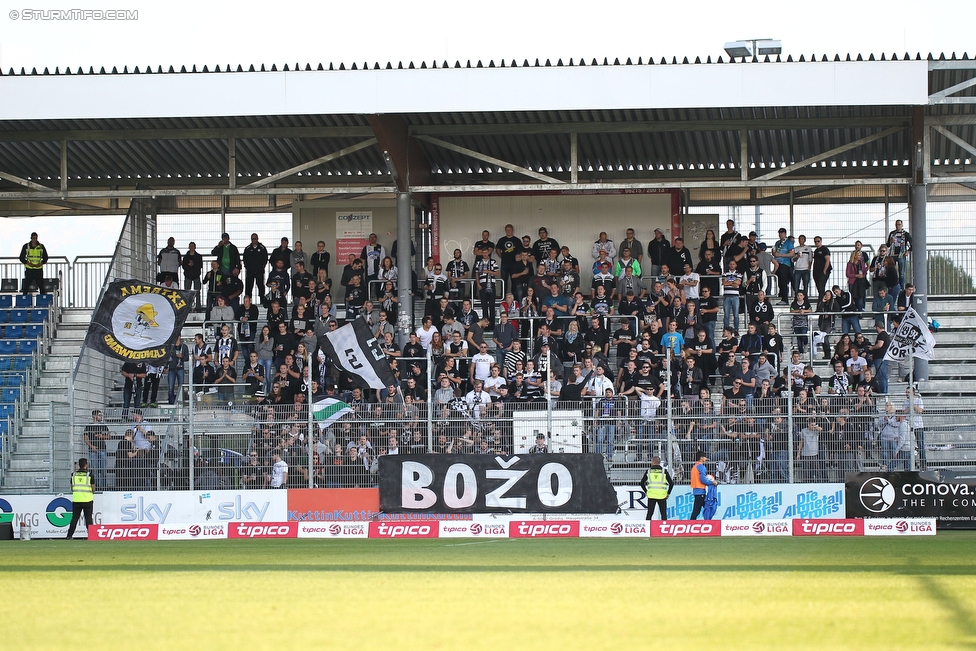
826 593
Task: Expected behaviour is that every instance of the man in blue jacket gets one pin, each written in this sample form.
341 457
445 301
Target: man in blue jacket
699 484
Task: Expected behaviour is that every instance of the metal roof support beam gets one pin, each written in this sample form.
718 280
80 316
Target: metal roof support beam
660 185
758 124
64 166
312 163
26 183
574 158
744 155
828 154
956 139
251 133
404 157
942 96
491 159
950 120
49 193
232 163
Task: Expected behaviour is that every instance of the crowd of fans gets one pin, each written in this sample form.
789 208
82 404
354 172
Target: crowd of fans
640 330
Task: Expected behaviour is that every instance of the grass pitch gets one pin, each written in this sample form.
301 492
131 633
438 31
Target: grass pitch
724 593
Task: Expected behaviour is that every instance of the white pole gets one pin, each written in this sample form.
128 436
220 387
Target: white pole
193 398
311 442
430 400
548 396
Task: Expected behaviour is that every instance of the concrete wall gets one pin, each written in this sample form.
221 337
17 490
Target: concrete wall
316 220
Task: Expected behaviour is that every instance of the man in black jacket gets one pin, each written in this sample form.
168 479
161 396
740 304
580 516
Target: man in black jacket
255 260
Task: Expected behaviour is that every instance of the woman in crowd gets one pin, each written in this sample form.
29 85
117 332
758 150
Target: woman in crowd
710 244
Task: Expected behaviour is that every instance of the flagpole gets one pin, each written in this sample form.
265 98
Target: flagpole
911 398
311 444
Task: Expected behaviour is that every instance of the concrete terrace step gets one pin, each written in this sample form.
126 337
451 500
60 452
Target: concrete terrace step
74 316
27 480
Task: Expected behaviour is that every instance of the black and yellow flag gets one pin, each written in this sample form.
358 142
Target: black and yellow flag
137 321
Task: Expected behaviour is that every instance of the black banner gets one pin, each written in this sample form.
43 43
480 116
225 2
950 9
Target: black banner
137 322
950 497
476 483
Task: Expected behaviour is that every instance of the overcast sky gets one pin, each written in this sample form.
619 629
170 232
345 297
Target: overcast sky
186 33
181 33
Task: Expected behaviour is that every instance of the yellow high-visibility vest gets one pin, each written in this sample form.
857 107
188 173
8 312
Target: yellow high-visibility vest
657 484
35 257
81 487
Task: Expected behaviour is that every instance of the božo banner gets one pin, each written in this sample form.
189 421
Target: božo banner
532 483
949 497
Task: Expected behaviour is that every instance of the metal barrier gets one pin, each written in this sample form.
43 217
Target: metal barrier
787 439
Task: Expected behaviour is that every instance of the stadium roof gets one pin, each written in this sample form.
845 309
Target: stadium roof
302 132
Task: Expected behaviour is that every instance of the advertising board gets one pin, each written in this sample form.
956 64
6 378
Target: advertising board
194 507
48 516
949 497
746 501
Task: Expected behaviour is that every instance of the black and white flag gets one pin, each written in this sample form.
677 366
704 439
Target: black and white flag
912 339
136 321
354 348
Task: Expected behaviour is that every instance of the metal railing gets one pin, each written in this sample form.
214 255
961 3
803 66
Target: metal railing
792 438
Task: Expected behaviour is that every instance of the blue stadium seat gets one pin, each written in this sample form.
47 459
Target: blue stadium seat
38 316
34 331
44 300
6 300
10 395
28 346
24 300
5 363
8 347
20 363
4 425
6 410
13 332
4 316
19 316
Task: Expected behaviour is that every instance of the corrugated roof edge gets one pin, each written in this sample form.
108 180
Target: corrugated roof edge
479 64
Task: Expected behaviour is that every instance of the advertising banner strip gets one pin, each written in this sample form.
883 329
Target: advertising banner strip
899 526
746 501
685 528
262 530
333 530
829 527
192 531
123 532
614 529
536 483
757 528
905 495
404 530
450 529
544 529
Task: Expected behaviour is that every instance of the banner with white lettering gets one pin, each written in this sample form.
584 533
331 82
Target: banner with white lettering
531 483
354 348
949 497
137 322
745 501
911 339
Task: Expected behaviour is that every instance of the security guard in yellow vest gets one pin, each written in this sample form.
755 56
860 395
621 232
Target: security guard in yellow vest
82 496
34 256
657 484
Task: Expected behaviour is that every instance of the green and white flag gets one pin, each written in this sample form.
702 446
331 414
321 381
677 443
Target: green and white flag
329 411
